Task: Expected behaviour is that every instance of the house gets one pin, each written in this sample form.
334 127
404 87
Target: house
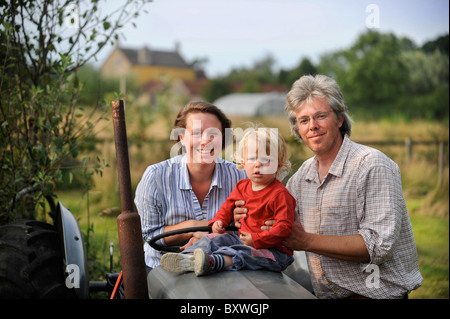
153 70
252 104
146 65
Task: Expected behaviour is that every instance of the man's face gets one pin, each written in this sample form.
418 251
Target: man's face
319 127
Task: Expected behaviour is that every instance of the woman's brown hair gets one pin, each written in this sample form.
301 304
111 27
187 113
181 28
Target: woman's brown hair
203 107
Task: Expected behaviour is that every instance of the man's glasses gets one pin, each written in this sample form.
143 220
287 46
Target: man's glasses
318 117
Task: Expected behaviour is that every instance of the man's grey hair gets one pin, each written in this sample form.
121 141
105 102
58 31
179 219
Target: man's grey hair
319 86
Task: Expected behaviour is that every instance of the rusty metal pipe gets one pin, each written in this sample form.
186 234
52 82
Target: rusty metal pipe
128 221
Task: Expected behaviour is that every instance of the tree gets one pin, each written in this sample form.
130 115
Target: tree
377 73
439 44
305 67
260 73
96 87
381 74
372 71
43 43
217 88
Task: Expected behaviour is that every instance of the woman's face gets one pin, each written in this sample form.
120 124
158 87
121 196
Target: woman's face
202 138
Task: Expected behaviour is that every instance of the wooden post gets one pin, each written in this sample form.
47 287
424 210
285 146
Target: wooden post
441 161
408 144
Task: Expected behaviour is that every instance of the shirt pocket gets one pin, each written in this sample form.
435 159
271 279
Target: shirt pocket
338 220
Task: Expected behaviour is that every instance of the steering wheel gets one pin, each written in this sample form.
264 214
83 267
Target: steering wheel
176 248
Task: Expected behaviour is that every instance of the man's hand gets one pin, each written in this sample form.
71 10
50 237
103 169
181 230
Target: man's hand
239 212
268 224
246 239
297 240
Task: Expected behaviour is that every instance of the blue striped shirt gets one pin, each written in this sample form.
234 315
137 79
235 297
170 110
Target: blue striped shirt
164 197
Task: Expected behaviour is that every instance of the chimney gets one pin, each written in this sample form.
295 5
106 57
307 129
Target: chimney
144 55
177 47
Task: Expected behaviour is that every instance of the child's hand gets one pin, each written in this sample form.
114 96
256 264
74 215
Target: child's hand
217 227
247 239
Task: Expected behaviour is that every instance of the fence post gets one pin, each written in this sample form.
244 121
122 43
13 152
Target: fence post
441 161
408 144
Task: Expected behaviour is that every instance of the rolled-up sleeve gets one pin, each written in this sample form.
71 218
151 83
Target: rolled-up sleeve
380 210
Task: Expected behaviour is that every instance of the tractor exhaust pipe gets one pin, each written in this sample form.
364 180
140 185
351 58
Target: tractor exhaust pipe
128 222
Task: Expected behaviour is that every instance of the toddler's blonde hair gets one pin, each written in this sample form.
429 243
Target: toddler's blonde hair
266 136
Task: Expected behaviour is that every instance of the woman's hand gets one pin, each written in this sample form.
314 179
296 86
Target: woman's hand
195 238
217 227
181 238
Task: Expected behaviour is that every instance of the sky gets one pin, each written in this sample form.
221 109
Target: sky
236 33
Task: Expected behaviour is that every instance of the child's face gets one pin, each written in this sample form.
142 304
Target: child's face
261 168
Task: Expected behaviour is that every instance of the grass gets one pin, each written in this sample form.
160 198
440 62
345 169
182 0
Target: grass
427 203
432 240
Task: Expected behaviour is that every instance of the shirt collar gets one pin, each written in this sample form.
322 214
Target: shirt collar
337 167
184 180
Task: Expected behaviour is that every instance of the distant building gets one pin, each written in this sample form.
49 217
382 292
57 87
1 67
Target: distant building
147 65
252 104
151 69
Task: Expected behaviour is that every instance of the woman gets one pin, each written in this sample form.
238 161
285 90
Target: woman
188 189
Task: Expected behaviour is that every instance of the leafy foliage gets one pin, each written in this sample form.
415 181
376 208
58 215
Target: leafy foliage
380 74
384 75
43 43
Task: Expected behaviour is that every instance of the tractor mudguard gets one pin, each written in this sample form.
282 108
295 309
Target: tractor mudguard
74 251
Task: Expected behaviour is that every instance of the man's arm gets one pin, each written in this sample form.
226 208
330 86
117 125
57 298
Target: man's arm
347 247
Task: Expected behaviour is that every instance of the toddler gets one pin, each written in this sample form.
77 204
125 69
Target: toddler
262 152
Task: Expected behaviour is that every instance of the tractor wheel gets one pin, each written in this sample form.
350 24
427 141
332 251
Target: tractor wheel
31 262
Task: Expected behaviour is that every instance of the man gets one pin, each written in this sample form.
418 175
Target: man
353 221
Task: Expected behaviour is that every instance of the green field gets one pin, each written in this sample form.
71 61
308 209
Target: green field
431 234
